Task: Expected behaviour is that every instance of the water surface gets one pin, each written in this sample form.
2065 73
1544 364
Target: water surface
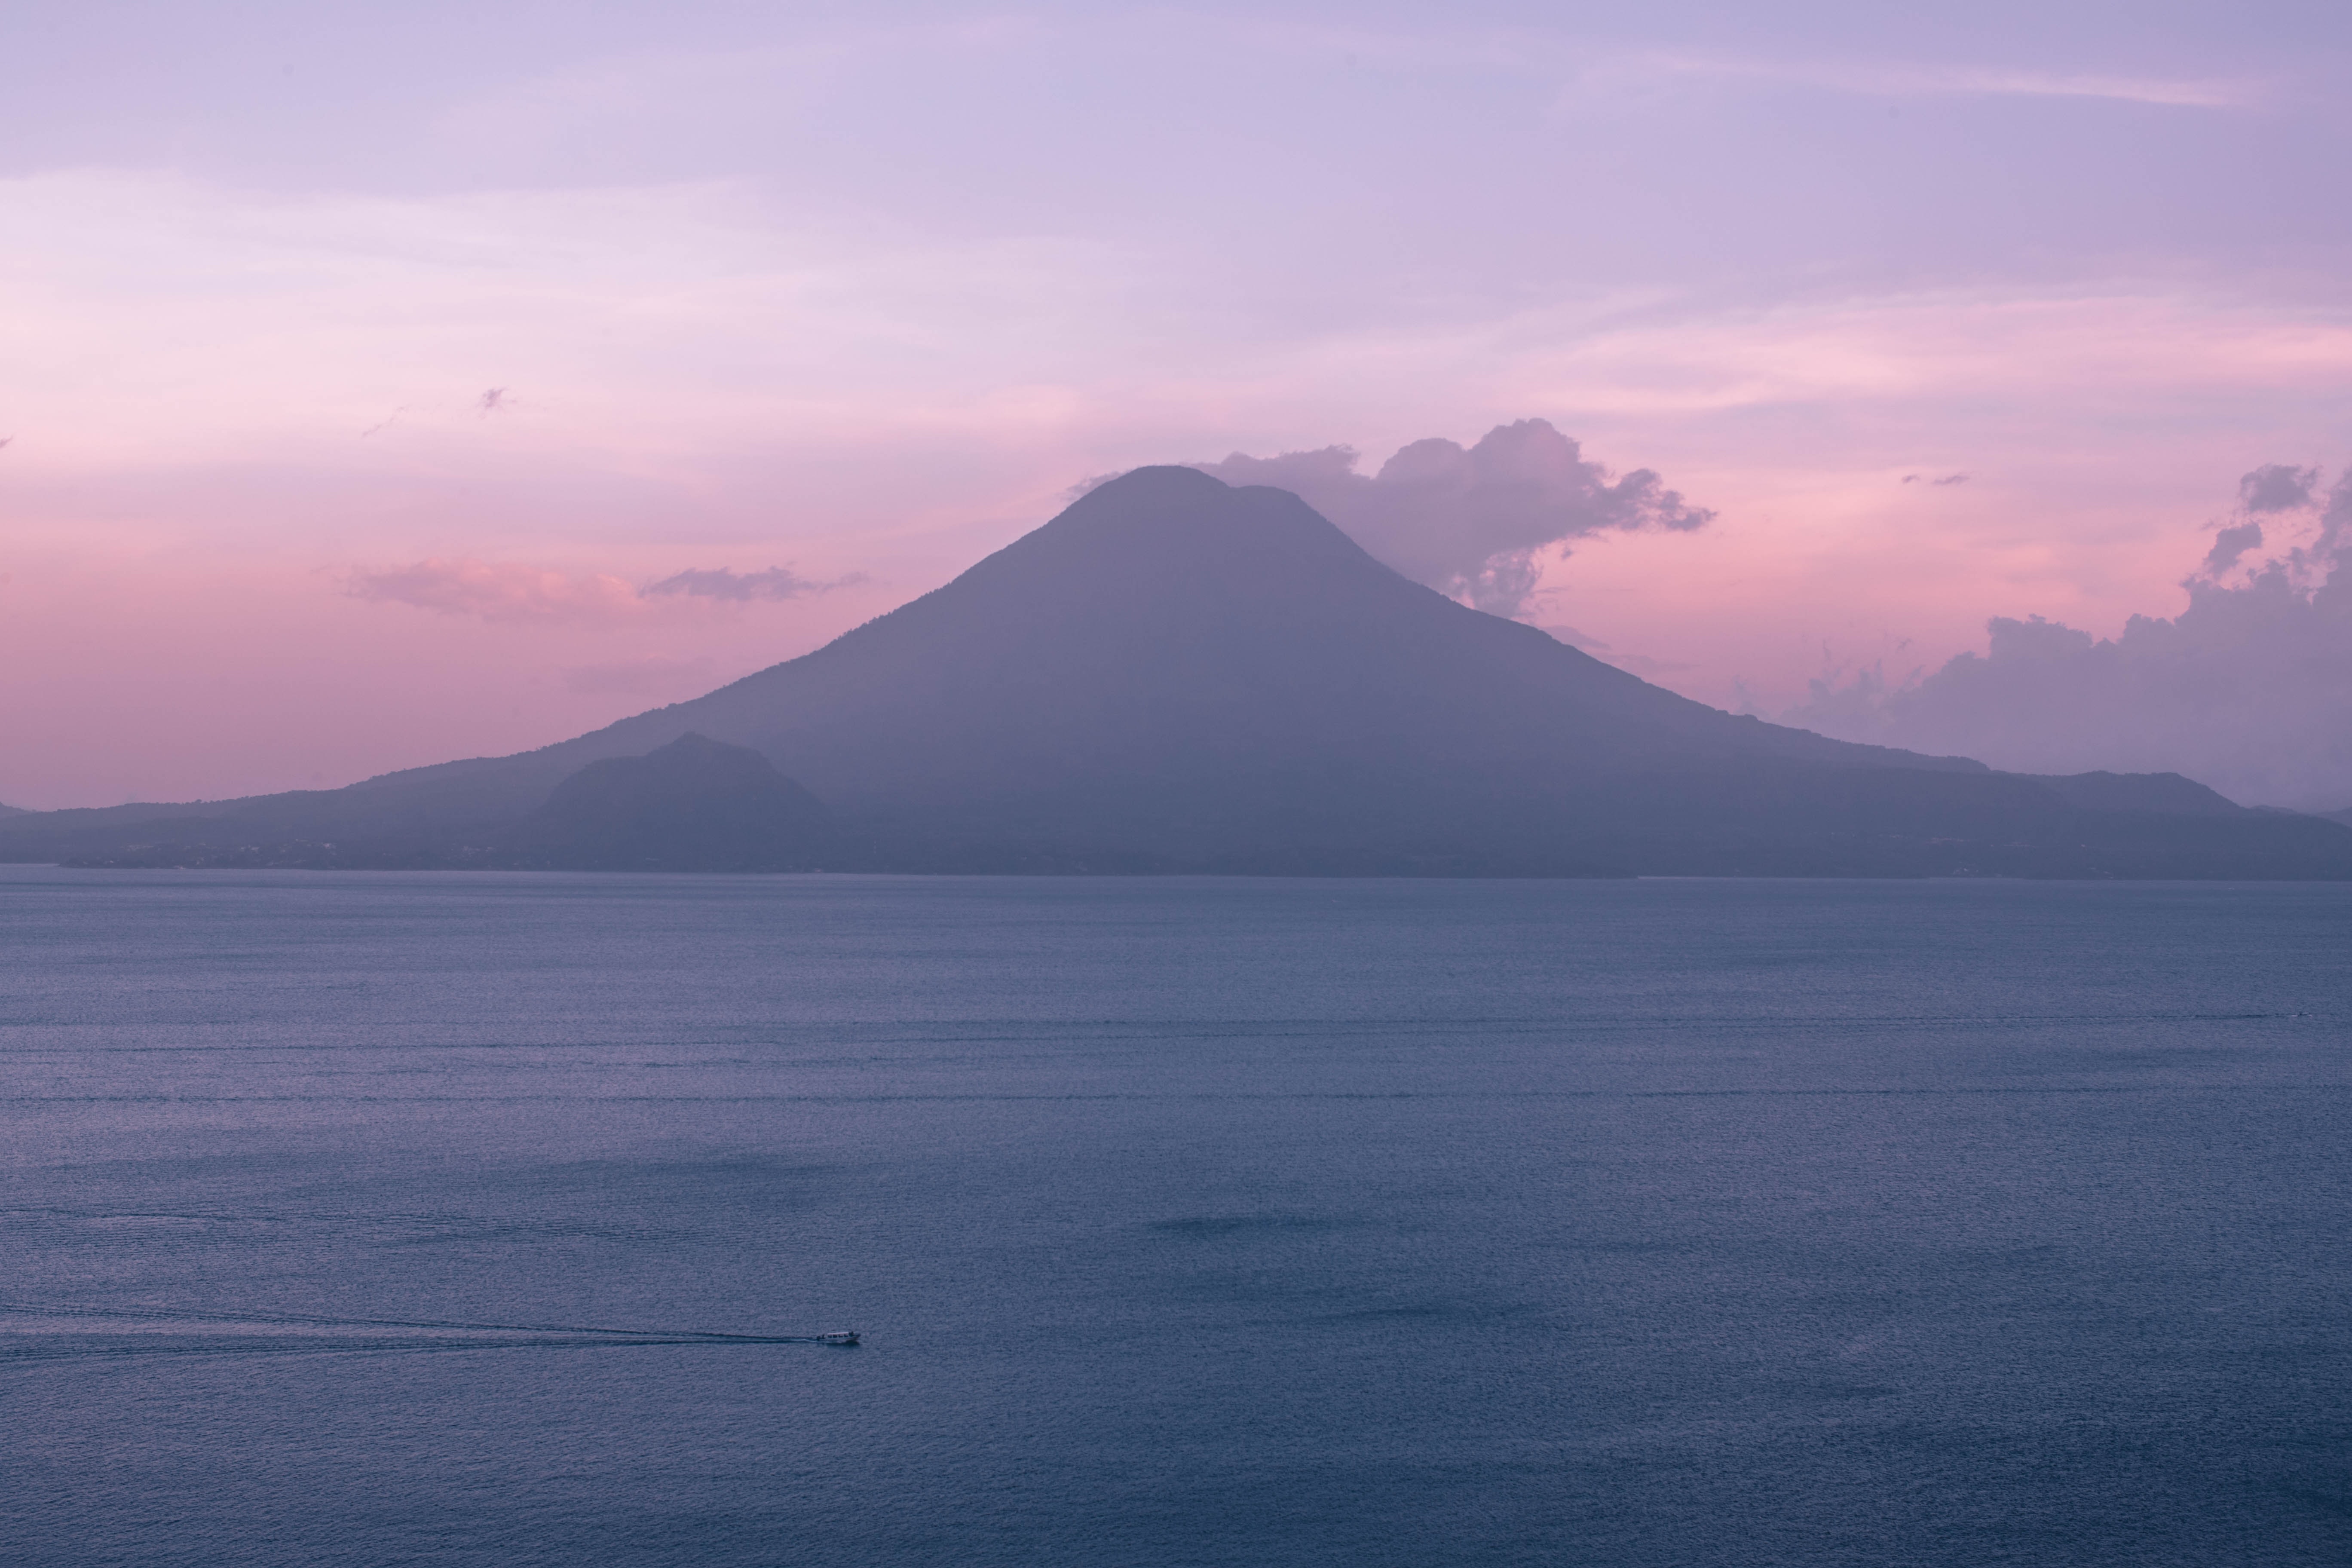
1187 1222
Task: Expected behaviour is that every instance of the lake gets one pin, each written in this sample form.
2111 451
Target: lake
1185 1221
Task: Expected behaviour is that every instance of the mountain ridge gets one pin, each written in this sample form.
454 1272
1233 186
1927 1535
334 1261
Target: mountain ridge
1174 674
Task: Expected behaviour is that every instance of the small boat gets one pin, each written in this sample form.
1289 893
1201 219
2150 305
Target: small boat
841 1339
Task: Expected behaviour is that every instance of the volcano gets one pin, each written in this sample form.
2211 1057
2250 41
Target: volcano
1175 675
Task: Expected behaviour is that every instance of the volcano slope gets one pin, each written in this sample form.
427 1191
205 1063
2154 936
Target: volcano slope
1176 675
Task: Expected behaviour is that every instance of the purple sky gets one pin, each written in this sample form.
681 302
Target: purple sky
367 372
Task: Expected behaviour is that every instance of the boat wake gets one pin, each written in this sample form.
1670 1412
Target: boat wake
49 1332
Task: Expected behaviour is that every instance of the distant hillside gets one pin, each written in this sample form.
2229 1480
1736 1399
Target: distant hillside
695 804
1174 675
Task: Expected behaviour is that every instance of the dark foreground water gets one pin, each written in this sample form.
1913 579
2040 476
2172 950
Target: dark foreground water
1187 1222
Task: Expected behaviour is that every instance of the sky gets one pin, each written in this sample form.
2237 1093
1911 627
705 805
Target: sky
387 384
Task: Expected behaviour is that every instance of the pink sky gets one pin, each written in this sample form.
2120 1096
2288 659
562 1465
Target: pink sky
865 301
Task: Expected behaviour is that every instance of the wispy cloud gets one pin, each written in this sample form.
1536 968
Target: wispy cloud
505 591
1893 79
1525 51
514 593
775 583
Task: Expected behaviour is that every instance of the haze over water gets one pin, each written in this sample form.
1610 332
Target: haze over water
1187 1221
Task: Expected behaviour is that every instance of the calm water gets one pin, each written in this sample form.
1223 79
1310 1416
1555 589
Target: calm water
1187 1222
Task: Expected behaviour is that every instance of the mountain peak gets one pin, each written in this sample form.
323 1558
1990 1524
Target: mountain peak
1155 479
1162 535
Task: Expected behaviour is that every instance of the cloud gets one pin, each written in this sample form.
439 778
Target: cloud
2276 487
775 583
513 593
1471 523
2248 690
504 591
2230 544
1892 78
